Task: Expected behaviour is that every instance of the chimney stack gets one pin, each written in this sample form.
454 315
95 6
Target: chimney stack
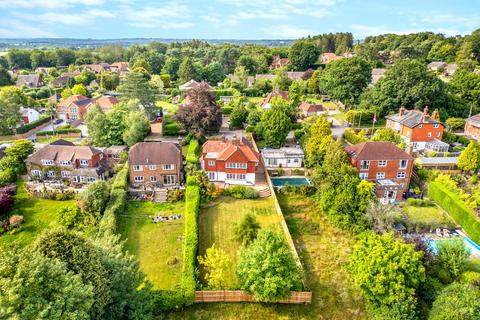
425 113
402 111
435 115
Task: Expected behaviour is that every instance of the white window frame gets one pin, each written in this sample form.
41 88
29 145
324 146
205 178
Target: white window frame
65 162
90 179
382 163
364 164
168 167
137 167
363 175
401 175
47 162
153 178
152 167
168 177
50 173
436 125
36 173
83 162
138 178
236 176
65 174
400 164
380 175
211 163
235 165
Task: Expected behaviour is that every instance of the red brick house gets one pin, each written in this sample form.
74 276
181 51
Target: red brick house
419 129
79 164
310 109
230 161
73 107
386 165
155 164
106 103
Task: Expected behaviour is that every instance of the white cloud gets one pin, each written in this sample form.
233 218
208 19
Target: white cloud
101 13
287 31
17 29
47 4
361 30
469 21
171 15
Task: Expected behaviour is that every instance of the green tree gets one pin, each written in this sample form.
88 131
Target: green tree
247 229
218 266
248 62
214 72
138 127
380 280
81 258
64 57
453 256
79 89
408 83
94 199
35 287
157 83
281 81
116 123
109 80
186 70
303 55
319 137
239 114
458 301
313 84
387 134
5 78
346 79
275 126
20 149
382 217
469 159
96 122
136 86
466 86
19 59
85 77
267 269
11 99
442 51
171 67
70 216
142 63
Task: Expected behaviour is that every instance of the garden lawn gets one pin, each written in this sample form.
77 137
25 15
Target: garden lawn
217 221
155 243
324 251
431 215
39 215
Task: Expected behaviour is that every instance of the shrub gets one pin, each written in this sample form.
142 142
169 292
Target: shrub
190 248
242 192
227 110
193 151
355 115
32 125
452 203
170 129
246 231
59 131
121 179
166 300
455 123
353 137
7 177
420 203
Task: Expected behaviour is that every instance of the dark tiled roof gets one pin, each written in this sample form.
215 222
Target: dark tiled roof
62 142
412 118
62 152
154 153
377 150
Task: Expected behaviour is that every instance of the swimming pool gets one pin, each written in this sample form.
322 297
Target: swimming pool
469 244
300 181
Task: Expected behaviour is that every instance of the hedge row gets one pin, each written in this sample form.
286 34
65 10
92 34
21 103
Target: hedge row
452 203
193 151
32 125
117 203
58 131
190 246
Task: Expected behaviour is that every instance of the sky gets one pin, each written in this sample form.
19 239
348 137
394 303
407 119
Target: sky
232 19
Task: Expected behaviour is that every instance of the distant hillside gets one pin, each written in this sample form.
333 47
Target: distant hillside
89 43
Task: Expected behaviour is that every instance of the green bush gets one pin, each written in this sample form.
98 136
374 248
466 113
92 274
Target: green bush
167 300
58 131
452 203
32 125
7 177
420 203
190 247
354 138
227 110
241 192
193 151
170 129
121 179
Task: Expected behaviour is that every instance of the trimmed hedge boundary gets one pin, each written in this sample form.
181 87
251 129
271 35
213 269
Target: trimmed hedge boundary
58 131
452 203
32 125
193 151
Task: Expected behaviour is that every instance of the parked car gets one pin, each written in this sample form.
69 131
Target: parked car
57 121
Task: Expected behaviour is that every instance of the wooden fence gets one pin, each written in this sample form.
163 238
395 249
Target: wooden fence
242 296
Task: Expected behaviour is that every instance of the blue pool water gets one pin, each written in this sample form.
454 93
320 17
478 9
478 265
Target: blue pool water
280 182
469 244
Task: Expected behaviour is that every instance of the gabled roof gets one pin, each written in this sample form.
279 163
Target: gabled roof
60 81
105 102
145 153
412 118
474 119
223 149
72 99
62 142
376 150
62 152
34 80
277 93
310 107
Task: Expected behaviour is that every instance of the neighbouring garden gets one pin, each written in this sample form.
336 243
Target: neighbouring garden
157 246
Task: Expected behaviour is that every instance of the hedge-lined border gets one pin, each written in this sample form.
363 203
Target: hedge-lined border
193 151
58 131
452 203
32 125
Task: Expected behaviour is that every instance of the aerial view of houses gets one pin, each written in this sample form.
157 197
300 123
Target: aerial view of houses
240 160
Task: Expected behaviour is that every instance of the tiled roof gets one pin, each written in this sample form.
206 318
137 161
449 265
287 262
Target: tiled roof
377 150
277 93
154 153
310 107
475 119
223 149
75 98
412 118
62 152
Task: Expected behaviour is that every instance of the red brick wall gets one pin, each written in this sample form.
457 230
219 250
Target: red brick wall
146 173
236 157
420 132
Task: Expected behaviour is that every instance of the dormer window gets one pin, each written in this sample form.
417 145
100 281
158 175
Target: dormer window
83 162
436 125
47 162
65 162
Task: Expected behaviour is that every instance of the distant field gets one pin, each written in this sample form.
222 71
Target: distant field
155 243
